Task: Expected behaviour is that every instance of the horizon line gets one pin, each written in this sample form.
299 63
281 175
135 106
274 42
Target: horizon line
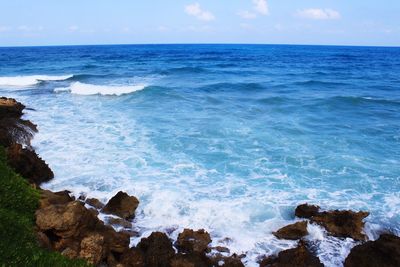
150 44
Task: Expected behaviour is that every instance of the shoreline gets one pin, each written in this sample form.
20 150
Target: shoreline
95 241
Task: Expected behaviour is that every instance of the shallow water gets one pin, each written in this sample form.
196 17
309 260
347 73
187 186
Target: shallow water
229 138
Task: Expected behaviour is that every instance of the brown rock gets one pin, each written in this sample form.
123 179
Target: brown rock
28 164
92 249
133 258
70 253
157 250
193 241
222 249
95 203
339 223
43 240
306 211
295 257
48 198
9 107
293 231
122 205
230 261
344 223
190 260
65 221
119 222
384 252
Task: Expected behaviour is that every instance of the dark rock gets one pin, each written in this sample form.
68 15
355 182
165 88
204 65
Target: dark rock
295 257
193 241
48 198
191 260
119 222
133 258
28 164
222 249
343 223
43 240
293 231
95 203
157 250
122 205
306 211
339 223
384 252
9 107
230 261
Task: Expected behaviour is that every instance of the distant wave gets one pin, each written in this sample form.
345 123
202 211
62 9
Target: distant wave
91 89
23 81
319 83
184 70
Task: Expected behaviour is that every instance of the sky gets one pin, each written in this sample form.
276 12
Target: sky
79 22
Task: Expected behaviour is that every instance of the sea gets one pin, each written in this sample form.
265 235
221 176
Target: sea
226 138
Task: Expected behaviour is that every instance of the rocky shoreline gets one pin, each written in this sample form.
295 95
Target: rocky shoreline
70 225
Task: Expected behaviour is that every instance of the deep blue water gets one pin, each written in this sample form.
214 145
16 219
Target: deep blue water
229 138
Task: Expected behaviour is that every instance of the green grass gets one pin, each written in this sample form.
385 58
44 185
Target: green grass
18 203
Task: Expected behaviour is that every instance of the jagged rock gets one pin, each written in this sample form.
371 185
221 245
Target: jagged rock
92 249
191 260
95 203
299 257
384 252
339 223
28 164
9 107
65 221
306 211
43 240
13 129
119 222
293 231
157 250
133 258
70 253
48 198
227 261
193 241
343 223
122 205
222 249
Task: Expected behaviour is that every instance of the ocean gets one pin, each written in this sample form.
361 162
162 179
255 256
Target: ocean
229 138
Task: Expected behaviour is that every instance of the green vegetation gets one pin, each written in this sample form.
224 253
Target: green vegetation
18 202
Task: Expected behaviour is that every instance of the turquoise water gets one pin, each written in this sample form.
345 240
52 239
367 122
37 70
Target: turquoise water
229 138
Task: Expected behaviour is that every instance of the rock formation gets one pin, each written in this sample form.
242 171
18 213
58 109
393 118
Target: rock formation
293 231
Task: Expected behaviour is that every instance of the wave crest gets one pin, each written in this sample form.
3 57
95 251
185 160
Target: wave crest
24 81
92 89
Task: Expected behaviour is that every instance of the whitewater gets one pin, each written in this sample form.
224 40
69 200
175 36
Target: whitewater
229 138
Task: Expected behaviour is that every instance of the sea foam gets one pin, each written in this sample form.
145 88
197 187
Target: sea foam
91 89
24 81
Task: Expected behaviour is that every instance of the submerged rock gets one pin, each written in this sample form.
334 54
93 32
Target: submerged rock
306 211
384 252
293 231
122 205
295 257
95 203
157 250
28 164
193 241
339 223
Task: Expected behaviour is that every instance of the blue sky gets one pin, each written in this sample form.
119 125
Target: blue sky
342 22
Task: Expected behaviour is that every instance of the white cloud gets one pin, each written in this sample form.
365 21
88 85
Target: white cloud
261 6
5 28
319 14
247 14
196 11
